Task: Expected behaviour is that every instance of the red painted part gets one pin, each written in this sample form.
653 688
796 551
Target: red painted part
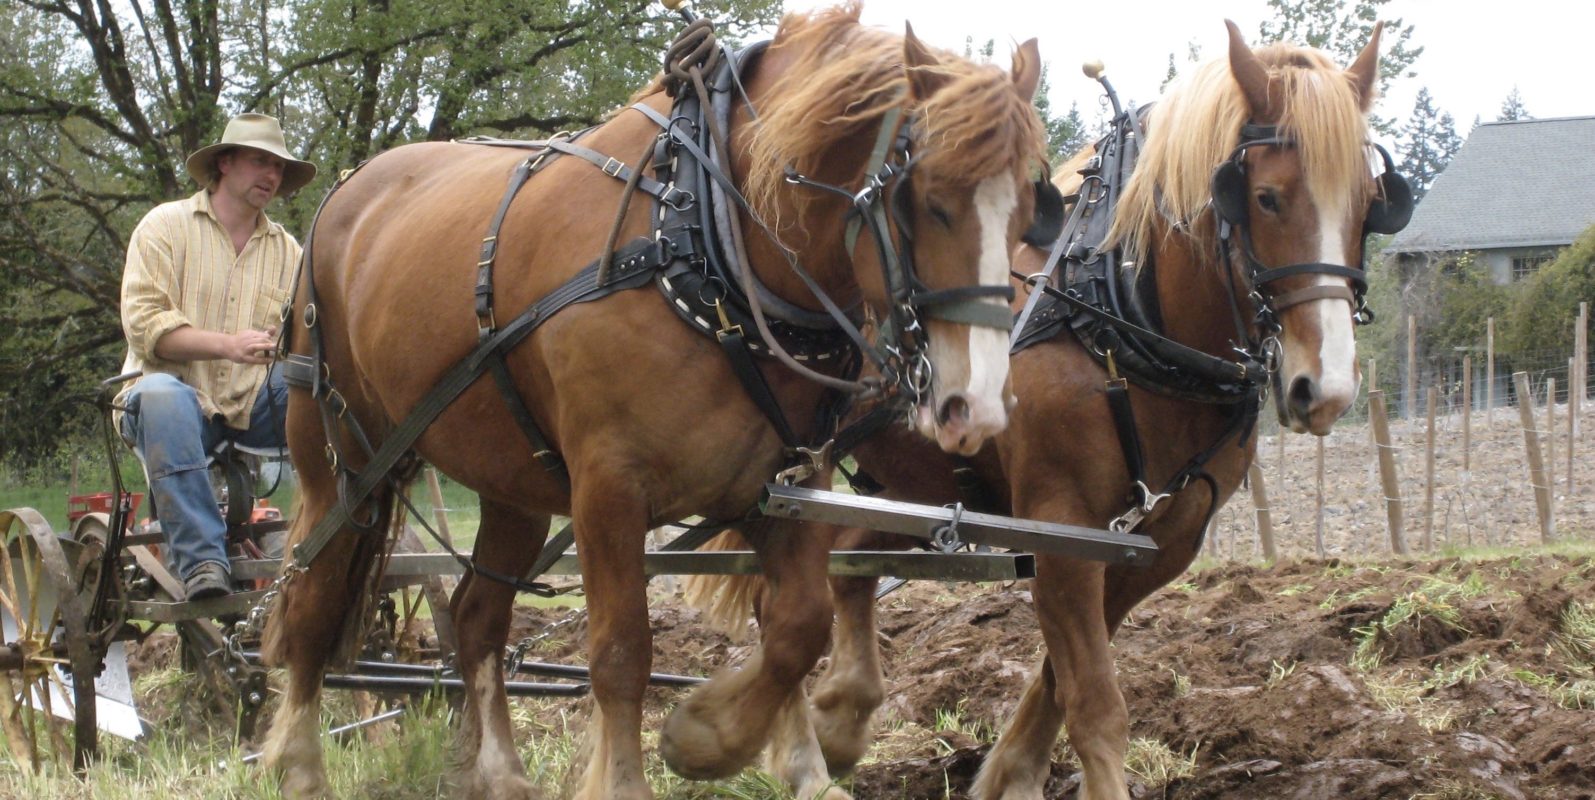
81 505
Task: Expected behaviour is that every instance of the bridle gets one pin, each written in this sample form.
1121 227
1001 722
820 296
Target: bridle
901 353
1388 212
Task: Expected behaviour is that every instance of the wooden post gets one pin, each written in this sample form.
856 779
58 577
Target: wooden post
1531 442
439 512
1265 519
1373 375
1318 530
1581 356
1387 471
1489 372
1467 410
1410 405
1280 437
1575 380
1428 475
1550 440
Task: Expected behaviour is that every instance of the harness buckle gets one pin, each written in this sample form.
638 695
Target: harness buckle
819 460
612 167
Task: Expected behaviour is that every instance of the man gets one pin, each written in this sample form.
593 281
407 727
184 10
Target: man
205 282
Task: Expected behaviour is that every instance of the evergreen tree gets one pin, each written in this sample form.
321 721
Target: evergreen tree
1429 140
1066 134
1512 108
1330 26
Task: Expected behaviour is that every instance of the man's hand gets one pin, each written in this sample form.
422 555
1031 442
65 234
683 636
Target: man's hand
250 347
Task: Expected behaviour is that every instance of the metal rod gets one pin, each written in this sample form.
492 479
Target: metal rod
421 685
341 730
377 668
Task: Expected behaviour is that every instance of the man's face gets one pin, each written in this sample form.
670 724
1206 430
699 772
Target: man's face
252 176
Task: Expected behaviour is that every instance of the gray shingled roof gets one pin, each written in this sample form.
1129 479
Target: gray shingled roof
1525 183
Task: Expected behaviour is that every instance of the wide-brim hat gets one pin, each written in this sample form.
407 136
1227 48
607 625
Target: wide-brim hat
260 132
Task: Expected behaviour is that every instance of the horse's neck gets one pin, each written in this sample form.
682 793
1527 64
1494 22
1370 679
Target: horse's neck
1194 295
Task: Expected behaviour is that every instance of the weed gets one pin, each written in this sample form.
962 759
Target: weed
1158 764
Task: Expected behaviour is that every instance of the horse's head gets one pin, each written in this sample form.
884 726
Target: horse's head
928 158
1296 187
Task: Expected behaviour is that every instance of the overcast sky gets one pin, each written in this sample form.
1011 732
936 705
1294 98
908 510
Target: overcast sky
1473 53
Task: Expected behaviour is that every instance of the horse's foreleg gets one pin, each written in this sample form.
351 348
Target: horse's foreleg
303 633
610 526
1018 766
488 764
853 686
795 756
1069 604
723 725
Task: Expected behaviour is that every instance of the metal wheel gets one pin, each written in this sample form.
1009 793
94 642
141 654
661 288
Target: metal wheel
45 639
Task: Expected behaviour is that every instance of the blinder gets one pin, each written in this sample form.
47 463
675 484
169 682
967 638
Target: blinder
1389 212
1048 222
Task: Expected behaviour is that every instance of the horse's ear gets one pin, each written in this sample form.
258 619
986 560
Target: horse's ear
924 73
1364 72
1250 73
1027 69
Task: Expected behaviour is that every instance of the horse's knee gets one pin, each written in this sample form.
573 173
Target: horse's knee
794 641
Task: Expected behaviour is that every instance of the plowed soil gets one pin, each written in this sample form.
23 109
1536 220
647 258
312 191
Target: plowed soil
1434 679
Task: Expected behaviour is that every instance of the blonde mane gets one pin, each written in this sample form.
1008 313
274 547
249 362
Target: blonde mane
1196 127
844 80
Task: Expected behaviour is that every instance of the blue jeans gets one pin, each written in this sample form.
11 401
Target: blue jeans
175 440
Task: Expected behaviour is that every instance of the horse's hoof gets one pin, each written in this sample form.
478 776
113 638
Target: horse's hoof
694 748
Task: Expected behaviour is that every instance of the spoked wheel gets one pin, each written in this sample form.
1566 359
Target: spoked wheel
45 636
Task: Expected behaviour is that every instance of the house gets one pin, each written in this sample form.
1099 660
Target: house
1516 194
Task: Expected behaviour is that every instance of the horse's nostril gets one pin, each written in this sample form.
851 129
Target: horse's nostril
1302 394
956 407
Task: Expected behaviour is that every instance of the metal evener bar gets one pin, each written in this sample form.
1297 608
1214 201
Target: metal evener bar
922 521
916 565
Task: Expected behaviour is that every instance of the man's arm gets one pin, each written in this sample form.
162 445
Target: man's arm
189 343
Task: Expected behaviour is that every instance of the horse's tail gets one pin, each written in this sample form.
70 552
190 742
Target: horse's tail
726 600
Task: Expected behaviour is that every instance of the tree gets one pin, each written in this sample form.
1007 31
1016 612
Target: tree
1541 317
1512 108
100 102
1330 26
1066 135
1429 140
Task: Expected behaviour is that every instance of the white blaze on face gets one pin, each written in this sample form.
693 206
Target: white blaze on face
979 373
995 200
1337 354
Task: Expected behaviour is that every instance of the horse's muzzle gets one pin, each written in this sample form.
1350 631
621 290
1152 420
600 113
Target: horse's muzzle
961 423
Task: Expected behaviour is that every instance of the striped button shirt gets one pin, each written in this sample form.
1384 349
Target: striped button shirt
182 270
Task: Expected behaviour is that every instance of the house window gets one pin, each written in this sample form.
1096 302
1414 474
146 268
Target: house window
1524 267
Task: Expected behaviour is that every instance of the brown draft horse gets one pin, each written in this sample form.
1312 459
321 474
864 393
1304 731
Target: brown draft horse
1060 459
649 418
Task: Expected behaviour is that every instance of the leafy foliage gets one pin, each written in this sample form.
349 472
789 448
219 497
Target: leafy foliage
1539 319
100 103
1451 300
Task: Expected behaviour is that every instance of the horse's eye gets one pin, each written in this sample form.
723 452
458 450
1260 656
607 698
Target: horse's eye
1268 201
940 214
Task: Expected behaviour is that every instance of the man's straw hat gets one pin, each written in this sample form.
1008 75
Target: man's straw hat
261 133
